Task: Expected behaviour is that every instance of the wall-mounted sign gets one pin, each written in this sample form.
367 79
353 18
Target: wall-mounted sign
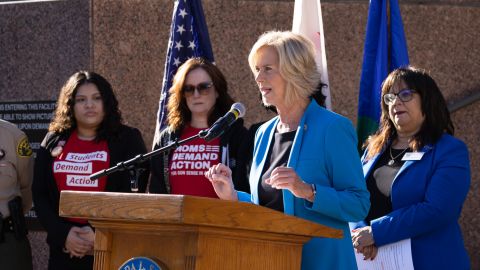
32 117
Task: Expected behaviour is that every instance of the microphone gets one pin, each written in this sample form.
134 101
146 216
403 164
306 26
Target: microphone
222 124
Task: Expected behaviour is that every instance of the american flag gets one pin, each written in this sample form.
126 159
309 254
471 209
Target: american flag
188 38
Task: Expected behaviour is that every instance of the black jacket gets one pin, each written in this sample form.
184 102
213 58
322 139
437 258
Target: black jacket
125 145
232 138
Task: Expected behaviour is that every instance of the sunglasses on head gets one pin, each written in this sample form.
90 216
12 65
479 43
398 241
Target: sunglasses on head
404 95
202 88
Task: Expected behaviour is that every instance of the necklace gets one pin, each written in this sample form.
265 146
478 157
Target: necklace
283 127
392 158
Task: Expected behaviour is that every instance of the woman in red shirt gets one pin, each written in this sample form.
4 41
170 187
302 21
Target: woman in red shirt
85 136
198 97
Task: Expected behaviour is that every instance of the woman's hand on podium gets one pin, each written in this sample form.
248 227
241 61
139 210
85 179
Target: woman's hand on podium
221 178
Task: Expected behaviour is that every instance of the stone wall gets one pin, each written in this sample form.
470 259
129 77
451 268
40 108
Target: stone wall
126 40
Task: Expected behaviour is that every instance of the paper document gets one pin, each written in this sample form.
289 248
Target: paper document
395 256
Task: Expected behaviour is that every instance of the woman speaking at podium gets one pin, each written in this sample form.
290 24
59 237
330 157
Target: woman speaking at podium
305 161
198 97
85 136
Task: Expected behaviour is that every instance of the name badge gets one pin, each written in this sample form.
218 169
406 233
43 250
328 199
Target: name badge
413 156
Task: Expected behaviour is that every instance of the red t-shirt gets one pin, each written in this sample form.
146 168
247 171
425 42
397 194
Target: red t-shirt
76 162
190 161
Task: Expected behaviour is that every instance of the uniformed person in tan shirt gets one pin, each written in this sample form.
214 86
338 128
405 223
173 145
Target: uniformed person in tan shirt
16 172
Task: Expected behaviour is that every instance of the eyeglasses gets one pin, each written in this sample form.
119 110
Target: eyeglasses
404 95
202 88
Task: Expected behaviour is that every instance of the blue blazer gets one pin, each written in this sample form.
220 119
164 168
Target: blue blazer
427 197
323 153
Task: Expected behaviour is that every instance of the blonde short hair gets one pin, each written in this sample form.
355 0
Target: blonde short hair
296 55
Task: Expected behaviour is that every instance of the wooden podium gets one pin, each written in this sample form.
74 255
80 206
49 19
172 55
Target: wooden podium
186 232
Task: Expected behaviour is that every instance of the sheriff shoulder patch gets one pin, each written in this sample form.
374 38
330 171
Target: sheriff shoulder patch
23 148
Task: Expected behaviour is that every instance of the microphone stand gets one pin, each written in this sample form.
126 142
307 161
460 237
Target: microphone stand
131 164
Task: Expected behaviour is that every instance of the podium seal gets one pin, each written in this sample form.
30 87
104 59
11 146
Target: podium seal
140 263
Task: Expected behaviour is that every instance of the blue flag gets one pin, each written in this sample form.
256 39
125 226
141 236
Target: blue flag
188 38
384 51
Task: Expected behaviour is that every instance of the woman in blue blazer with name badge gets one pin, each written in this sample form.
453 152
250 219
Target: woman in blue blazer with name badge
305 161
418 175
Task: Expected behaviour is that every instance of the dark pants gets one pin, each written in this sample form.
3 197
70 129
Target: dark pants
15 254
60 260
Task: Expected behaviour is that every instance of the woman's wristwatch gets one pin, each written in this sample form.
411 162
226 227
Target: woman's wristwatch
314 193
